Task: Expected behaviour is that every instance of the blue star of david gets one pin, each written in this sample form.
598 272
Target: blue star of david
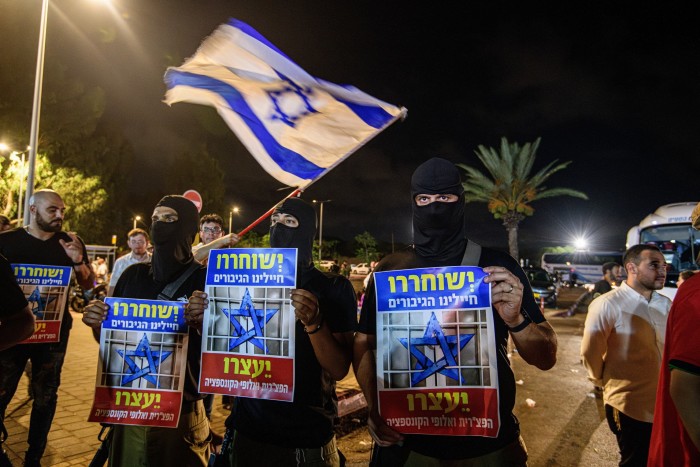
41 303
434 336
291 91
259 318
153 360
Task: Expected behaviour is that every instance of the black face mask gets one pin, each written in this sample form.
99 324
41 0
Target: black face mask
301 237
439 232
172 241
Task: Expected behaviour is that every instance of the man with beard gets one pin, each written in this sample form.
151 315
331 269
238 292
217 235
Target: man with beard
439 240
621 348
267 432
41 242
173 228
138 242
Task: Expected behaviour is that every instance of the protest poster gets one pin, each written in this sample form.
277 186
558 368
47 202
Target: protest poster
248 329
46 288
436 352
142 362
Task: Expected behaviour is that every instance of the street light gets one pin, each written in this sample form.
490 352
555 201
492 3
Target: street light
136 219
36 108
320 226
230 218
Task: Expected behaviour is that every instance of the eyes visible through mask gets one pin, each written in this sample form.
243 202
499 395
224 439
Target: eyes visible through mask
164 214
284 219
423 199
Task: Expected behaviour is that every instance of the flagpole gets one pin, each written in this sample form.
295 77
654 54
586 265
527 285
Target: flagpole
267 214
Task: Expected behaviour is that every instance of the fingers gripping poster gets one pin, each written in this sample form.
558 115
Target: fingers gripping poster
141 368
248 329
436 352
46 288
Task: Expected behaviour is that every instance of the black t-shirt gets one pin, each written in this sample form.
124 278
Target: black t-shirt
137 282
600 287
18 246
13 299
308 420
462 447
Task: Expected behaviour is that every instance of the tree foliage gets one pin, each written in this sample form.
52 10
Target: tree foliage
509 188
367 247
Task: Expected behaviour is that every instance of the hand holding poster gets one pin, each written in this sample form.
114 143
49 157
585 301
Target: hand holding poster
436 352
141 370
46 288
248 330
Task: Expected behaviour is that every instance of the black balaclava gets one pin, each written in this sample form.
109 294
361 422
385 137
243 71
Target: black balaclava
172 241
439 232
301 237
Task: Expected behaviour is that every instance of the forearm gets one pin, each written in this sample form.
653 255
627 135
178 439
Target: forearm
333 351
592 359
16 328
364 367
537 345
85 276
685 392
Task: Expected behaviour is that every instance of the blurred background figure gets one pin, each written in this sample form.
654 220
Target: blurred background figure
683 276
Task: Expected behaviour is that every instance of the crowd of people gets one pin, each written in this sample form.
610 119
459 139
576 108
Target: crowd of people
638 347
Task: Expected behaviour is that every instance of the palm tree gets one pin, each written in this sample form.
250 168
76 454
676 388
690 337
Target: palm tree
510 189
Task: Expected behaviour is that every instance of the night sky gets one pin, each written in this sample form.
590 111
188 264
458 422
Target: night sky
612 89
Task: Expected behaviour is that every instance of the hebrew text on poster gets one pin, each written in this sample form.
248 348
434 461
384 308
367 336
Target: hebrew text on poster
141 369
46 289
248 338
436 351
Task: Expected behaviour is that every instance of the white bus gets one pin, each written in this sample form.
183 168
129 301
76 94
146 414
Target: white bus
670 229
579 267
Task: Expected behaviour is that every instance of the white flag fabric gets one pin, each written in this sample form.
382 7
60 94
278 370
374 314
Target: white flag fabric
296 126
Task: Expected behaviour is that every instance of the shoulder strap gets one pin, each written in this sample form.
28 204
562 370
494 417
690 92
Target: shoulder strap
170 289
472 254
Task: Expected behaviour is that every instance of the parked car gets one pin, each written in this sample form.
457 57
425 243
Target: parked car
542 284
361 269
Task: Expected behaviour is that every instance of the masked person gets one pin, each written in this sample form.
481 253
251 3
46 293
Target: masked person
439 235
267 432
173 229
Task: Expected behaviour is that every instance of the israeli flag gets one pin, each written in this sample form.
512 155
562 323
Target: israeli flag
296 126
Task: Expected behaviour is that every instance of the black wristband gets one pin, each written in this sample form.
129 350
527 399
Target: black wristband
320 323
520 326
78 264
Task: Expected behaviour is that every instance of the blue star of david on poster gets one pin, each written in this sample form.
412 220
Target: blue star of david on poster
153 360
291 94
40 302
258 317
433 337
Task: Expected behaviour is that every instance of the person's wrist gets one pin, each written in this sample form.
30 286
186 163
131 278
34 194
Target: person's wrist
519 327
313 328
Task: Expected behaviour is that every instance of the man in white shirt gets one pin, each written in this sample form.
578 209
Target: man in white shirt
138 242
621 348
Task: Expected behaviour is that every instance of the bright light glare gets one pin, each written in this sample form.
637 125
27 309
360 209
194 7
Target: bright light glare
581 243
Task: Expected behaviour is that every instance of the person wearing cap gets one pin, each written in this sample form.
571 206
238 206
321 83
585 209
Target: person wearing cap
440 239
621 348
675 434
268 432
173 229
